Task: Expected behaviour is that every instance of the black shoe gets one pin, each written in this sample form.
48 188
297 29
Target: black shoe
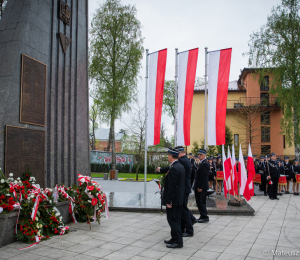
287 192
174 245
168 241
265 193
186 234
279 194
271 198
295 193
194 221
282 190
203 220
276 198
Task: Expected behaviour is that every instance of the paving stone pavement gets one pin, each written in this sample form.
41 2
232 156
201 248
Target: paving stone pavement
140 236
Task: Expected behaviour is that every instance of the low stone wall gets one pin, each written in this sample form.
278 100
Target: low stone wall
7 228
63 208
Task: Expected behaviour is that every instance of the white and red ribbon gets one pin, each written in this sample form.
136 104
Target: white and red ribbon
35 207
37 240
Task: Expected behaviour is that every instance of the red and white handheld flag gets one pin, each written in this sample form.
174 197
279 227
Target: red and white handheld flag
218 77
230 173
251 171
244 188
234 172
157 69
186 82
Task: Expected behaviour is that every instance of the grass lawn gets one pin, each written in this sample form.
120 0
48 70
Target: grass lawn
128 175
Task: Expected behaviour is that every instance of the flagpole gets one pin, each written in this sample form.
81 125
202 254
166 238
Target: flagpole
176 89
146 118
205 116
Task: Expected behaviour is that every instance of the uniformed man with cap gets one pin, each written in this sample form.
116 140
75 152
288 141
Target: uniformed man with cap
193 167
281 172
173 196
273 177
288 173
295 170
261 166
201 186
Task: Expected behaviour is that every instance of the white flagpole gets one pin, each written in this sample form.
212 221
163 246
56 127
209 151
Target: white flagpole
146 118
176 93
205 117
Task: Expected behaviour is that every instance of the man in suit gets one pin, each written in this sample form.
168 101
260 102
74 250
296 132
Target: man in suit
173 196
261 169
273 177
201 186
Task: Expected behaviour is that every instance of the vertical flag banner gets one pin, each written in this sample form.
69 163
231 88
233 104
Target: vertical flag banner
244 188
229 160
218 78
186 82
157 70
251 171
234 171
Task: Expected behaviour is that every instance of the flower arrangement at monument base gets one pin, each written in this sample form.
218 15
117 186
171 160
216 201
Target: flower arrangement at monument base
90 200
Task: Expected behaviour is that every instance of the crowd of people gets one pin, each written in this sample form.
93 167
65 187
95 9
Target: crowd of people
199 173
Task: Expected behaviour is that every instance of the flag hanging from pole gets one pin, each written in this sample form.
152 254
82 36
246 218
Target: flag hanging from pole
234 172
186 82
226 170
157 71
244 188
218 78
251 171
230 166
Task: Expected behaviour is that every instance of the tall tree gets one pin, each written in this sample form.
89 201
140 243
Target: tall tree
115 59
277 46
94 114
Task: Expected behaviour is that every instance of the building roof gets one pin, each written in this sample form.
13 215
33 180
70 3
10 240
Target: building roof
103 133
232 86
245 71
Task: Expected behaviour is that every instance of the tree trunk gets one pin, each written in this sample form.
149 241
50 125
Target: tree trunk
296 140
109 139
137 169
113 152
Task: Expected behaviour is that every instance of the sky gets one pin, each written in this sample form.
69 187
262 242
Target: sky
188 24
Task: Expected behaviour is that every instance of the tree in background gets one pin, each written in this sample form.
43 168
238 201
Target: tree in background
134 140
116 50
276 46
94 114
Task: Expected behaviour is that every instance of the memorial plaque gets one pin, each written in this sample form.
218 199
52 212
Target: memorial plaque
25 148
33 92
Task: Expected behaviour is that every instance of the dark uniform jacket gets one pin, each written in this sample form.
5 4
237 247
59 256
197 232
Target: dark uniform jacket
261 169
188 170
174 185
295 170
287 169
281 170
201 177
273 168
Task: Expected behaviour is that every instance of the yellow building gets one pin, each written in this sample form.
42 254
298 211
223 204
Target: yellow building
252 114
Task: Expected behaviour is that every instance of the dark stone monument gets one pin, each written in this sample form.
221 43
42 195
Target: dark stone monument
44 89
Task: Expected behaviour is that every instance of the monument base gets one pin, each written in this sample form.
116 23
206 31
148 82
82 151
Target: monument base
236 203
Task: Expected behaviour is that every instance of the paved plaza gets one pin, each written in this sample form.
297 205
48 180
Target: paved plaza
275 226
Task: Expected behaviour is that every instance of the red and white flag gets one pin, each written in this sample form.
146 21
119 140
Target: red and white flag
227 172
251 171
244 188
230 173
157 69
186 82
234 172
218 77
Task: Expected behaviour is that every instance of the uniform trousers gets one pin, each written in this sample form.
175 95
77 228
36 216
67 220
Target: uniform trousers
201 203
192 177
174 220
273 188
187 216
263 183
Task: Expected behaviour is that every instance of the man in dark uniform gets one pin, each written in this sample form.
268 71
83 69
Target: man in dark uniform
287 172
261 168
187 219
201 186
173 196
273 177
193 167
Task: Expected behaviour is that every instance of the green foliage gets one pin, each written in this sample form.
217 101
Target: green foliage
169 99
196 148
228 139
115 59
275 49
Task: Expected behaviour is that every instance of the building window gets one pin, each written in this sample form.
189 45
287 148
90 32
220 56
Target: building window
265 134
265 150
264 86
264 99
236 140
284 141
265 117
